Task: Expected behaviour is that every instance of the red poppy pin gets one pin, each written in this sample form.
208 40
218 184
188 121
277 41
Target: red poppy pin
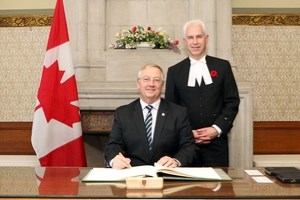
213 73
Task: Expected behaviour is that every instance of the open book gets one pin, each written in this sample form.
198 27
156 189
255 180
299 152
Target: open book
179 173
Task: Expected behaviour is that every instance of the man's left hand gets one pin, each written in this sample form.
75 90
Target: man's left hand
167 162
205 135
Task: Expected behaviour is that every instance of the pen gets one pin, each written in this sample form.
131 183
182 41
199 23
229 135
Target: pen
128 165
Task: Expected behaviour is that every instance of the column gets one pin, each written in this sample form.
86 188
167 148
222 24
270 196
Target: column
96 39
76 14
223 30
205 10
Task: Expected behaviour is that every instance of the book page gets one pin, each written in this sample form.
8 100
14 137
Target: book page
109 174
190 172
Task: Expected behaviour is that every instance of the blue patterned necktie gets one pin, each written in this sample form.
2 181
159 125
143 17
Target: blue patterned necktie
148 125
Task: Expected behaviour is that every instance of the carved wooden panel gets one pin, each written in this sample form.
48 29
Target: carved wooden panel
15 138
96 122
276 137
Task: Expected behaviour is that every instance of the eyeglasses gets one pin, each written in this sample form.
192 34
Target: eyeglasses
147 79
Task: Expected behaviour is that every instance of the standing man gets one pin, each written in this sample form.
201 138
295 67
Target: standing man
150 129
205 85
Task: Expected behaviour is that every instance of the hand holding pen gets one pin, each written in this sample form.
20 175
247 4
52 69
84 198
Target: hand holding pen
120 162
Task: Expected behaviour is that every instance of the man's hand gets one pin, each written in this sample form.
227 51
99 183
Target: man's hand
168 162
120 162
205 135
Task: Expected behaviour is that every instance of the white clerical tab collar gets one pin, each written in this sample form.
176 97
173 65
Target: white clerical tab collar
192 60
198 70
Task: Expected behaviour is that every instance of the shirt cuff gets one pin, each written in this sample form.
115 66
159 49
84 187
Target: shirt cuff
177 161
218 130
111 162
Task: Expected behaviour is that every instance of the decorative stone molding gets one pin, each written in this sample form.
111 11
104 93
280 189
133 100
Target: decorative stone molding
266 19
25 21
237 19
96 122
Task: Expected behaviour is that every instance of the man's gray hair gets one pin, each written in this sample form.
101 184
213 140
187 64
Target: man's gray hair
194 22
151 65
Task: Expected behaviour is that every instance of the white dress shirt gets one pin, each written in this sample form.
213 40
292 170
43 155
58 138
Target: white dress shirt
153 112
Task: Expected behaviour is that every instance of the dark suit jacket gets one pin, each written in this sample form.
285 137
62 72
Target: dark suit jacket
216 103
172 135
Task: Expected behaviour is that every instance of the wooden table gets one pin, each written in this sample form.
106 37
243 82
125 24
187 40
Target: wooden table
47 183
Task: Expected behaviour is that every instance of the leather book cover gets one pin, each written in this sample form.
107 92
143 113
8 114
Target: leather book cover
289 177
273 171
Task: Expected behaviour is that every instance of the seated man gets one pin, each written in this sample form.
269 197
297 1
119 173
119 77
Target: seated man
150 129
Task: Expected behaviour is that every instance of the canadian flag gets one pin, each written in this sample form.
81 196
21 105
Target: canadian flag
56 129
57 181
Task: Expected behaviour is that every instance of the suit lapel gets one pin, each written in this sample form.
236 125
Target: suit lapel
209 63
185 70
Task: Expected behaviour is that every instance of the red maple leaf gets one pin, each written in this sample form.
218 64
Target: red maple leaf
55 97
